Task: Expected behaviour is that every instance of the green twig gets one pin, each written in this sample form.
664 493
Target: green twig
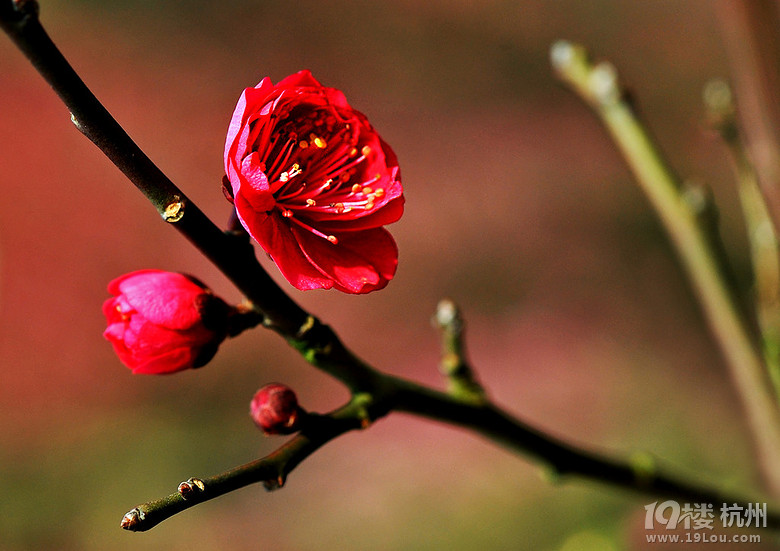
760 229
751 36
461 380
597 84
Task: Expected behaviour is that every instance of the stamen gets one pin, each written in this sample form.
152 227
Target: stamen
318 233
287 213
122 315
311 202
366 150
303 144
367 190
356 188
379 193
317 141
281 160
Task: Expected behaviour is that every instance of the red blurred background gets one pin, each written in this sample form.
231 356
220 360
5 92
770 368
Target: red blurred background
518 207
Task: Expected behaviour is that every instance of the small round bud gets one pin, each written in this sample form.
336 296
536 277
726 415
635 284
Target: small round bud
275 409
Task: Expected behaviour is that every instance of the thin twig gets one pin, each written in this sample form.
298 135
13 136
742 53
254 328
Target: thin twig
461 380
271 470
597 84
762 238
562 459
751 33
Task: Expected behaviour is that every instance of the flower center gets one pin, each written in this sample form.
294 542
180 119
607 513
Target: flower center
319 169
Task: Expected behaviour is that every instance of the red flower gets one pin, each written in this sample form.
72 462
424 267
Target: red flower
313 184
156 321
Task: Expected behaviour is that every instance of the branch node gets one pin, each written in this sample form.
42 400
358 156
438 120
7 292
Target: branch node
644 466
77 123
273 484
21 10
132 519
191 487
461 380
174 211
604 84
363 401
306 327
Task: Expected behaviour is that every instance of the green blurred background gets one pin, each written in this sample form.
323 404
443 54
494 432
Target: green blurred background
518 207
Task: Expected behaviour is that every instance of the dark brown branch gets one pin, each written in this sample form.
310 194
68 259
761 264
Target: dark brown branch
565 460
232 256
271 470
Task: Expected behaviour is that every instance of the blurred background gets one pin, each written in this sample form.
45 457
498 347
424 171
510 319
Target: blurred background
518 207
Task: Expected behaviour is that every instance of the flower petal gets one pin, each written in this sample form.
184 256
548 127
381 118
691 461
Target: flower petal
277 239
167 363
313 217
259 197
163 298
361 261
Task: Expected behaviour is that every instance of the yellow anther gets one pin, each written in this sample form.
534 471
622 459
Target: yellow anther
123 316
379 192
368 206
311 202
327 183
284 176
319 142
366 150
356 188
367 190
303 144
333 239
353 152
339 207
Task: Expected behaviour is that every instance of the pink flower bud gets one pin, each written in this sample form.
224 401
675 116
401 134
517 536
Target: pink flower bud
163 322
275 409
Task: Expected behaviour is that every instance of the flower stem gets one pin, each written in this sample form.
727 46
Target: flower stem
597 84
